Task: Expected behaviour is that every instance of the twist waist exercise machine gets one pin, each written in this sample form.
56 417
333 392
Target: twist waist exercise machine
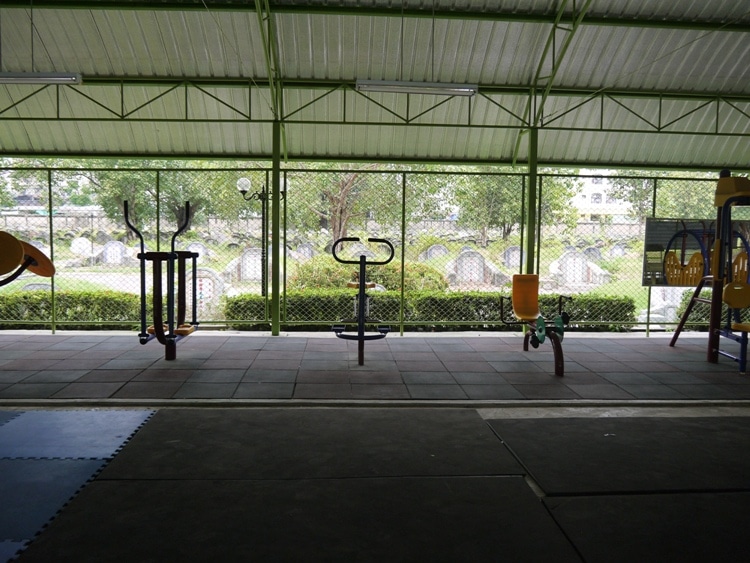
175 328
525 303
362 308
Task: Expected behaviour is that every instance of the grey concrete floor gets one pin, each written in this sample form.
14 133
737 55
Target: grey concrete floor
469 367
447 447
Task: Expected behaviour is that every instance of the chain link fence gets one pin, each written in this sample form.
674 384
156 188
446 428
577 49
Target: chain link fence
458 238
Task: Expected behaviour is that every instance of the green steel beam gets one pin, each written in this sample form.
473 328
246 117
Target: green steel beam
704 24
536 103
740 167
276 231
531 211
660 104
331 85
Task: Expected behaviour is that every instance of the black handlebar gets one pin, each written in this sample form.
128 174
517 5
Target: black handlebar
357 239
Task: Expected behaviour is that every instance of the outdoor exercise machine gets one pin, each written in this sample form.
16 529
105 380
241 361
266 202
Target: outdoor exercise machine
174 329
524 301
20 256
728 279
361 302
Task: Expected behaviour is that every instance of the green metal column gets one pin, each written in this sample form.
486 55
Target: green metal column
276 230
50 214
531 211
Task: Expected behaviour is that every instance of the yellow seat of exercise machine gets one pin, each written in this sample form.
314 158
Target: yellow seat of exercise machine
730 187
12 252
42 265
525 297
737 296
184 330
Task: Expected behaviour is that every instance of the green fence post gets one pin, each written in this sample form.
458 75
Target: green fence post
275 230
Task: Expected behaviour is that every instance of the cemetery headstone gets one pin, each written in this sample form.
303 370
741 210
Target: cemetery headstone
114 252
470 266
574 268
251 265
512 257
593 253
209 290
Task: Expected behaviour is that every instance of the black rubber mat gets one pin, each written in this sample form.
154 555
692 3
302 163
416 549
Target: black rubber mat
394 519
5 416
609 455
92 434
33 490
9 548
46 457
311 443
663 527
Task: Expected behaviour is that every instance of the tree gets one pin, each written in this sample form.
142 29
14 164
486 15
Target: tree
494 201
637 191
339 198
686 199
110 182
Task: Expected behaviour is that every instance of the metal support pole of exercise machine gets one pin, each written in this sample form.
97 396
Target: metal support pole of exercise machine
531 204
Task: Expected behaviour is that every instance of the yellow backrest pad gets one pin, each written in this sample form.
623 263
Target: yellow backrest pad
525 296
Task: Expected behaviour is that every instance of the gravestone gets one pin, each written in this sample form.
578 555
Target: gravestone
37 287
251 265
470 267
305 251
209 290
436 251
512 257
574 268
358 249
102 237
593 253
81 246
114 252
199 248
617 250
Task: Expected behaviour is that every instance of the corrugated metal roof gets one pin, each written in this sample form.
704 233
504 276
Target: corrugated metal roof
642 83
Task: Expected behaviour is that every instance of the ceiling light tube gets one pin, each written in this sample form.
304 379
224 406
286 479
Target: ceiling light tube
40 78
401 87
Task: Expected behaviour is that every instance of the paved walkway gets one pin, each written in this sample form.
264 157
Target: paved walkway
238 367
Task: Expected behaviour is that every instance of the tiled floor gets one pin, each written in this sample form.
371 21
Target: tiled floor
224 366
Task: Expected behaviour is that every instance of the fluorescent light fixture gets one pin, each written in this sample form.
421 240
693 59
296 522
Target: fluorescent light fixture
40 78
401 87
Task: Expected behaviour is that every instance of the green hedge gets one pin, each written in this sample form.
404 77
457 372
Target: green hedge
699 316
114 310
323 272
434 310
308 309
